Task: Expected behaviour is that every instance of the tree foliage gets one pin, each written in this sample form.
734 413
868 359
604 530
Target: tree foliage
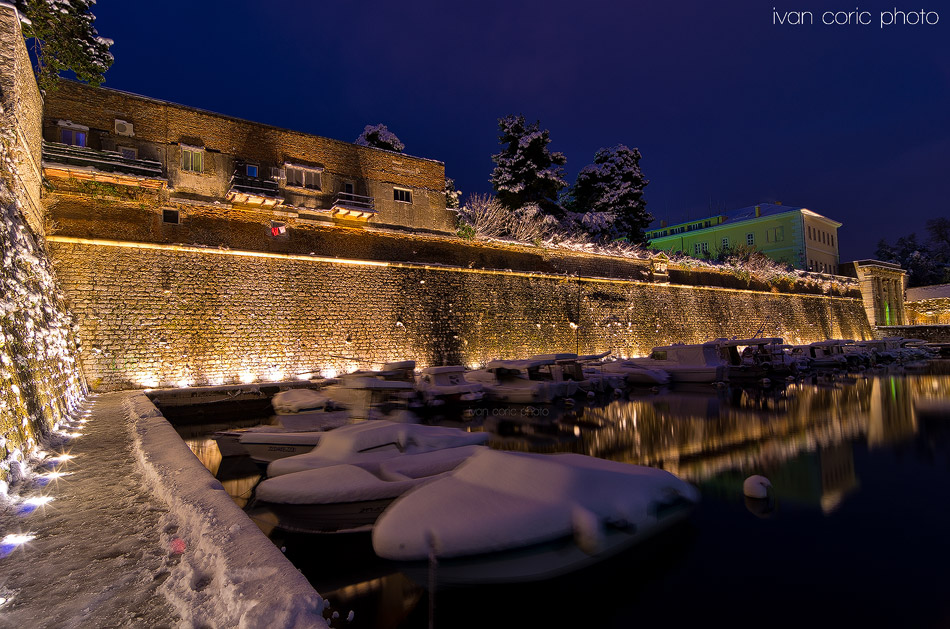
65 38
925 262
379 136
526 171
452 194
609 192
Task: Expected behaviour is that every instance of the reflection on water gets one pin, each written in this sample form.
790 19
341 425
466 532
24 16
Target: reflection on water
814 439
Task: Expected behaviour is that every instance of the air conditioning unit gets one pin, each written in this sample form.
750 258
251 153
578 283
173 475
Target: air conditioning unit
123 128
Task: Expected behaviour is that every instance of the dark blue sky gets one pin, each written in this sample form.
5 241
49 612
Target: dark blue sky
727 108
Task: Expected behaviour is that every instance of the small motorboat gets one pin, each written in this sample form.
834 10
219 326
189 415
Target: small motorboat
355 471
504 517
447 385
350 497
306 409
367 443
302 414
368 394
522 381
630 373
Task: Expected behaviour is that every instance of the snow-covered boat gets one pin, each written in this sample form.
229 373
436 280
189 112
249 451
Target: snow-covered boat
447 385
306 409
357 470
630 373
367 443
513 517
366 393
301 415
521 382
713 361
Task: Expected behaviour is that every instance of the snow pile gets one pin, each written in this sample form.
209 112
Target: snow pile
230 574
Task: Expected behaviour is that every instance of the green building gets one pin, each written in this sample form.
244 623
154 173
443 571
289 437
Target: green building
796 235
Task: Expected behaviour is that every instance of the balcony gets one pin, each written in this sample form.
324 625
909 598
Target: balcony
257 191
79 162
351 206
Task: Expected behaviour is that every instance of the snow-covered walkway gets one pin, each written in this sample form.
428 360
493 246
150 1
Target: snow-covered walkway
99 554
138 533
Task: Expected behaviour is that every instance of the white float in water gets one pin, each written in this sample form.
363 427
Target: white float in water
757 487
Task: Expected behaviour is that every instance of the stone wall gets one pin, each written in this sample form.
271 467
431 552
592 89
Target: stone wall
40 379
162 315
23 104
928 311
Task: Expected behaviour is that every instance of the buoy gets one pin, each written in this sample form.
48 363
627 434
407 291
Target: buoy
757 487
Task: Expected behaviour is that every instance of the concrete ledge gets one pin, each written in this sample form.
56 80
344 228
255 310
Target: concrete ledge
230 573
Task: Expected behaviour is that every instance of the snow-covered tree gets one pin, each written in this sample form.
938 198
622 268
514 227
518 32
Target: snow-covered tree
65 38
378 136
484 215
525 170
612 186
452 195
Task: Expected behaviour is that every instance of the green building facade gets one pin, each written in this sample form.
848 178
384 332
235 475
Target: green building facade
795 235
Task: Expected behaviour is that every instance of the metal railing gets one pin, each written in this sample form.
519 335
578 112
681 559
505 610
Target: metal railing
351 201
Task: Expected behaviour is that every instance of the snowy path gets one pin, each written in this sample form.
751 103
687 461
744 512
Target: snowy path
100 552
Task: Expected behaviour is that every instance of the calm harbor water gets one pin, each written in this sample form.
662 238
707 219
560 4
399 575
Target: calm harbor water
858 533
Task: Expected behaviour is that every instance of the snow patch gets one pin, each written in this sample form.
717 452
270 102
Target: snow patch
229 574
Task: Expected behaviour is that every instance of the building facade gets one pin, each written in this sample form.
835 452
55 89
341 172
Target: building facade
125 166
795 235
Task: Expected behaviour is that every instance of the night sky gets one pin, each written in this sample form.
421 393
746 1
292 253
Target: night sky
727 108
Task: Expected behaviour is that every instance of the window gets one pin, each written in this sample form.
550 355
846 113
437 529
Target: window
172 217
73 137
696 249
725 243
750 239
192 159
775 234
303 177
402 195
832 241
810 235
129 152
348 187
251 170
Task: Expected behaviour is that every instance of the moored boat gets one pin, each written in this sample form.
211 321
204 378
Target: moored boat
504 517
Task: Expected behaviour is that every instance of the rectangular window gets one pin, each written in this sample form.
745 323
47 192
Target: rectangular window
192 159
775 234
750 239
696 249
72 137
832 241
129 152
725 243
705 247
810 237
303 177
348 187
402 195
171 217
251 170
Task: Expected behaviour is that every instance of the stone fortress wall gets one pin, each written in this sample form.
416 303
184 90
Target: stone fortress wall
156 315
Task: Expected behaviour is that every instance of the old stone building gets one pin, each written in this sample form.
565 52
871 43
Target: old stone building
129 167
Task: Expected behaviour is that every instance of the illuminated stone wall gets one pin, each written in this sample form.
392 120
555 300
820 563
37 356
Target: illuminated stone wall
161 315
40 380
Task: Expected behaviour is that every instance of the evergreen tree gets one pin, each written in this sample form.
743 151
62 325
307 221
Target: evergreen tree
451 194
64 38
613 186
378 136
526 171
